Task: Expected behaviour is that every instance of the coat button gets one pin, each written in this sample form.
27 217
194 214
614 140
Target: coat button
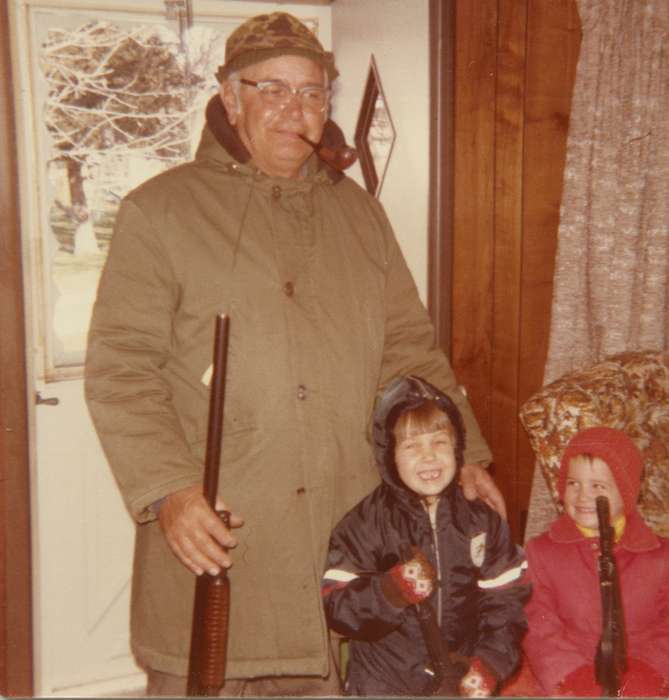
300 491
276 192
289 289
301 392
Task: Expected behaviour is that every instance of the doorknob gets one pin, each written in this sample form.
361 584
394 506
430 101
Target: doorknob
51 401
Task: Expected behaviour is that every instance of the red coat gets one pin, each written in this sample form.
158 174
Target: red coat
564 611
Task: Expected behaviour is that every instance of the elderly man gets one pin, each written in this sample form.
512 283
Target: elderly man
323 314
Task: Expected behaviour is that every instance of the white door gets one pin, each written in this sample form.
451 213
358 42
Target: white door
77 158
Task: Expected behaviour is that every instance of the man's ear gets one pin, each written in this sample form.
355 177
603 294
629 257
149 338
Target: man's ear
230 101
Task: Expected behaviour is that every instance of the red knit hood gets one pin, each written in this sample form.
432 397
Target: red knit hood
618 451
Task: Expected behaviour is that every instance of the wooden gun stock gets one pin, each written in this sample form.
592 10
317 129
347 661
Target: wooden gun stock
610 661
211 608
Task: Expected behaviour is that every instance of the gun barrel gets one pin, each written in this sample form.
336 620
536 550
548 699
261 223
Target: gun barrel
216 402
610 660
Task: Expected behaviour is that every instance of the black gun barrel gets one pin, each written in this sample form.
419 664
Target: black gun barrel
610 660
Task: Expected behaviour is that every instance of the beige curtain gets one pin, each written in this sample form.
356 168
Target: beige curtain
611 285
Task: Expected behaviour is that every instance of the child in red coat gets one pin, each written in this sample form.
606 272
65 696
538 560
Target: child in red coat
564 611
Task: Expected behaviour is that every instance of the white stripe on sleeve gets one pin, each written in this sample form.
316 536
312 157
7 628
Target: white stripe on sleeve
339 575
508 576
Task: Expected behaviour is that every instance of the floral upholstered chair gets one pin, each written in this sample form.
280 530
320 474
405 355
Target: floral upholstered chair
629 391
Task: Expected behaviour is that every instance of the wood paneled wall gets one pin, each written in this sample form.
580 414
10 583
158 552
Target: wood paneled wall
514 71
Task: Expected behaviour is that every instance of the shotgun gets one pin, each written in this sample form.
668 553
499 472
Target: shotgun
610 659
445 674
211 608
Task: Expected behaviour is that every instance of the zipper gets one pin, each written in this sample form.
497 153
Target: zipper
432 513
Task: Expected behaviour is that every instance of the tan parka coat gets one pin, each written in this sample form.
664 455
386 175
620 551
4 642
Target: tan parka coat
323 313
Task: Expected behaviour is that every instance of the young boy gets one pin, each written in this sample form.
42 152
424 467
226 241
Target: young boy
461 562
564 611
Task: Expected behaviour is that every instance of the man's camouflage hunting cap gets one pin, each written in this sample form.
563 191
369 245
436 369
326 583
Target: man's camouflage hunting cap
270 35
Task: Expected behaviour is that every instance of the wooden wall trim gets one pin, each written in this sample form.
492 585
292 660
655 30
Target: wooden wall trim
440 207
473 201
507 244
16 662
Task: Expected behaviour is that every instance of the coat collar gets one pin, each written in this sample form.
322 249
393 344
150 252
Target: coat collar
637 537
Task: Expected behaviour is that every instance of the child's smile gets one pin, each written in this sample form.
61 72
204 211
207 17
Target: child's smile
430 475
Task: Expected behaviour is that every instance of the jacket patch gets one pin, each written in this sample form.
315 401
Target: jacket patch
477 548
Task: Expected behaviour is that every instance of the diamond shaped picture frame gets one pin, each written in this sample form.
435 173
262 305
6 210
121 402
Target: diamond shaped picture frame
375 133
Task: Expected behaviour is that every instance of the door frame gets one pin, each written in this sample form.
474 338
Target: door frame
16 639
440 207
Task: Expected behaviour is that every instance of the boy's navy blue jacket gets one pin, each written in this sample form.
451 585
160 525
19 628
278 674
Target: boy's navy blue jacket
478 601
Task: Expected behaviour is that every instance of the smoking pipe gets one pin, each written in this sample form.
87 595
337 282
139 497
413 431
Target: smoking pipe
339 157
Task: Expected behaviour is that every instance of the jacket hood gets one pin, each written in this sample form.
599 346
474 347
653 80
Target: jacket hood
401 395
227 136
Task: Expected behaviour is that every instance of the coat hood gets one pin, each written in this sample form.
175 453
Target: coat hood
617 450
401 395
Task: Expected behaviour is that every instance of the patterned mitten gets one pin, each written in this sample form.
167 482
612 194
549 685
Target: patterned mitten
409 582
479 682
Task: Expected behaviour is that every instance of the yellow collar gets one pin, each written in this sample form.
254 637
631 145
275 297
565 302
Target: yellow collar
618 527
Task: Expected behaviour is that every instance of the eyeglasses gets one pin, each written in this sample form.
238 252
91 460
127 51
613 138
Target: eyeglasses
275 93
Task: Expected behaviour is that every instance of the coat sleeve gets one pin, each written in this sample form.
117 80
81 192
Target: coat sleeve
501 621
648 639
658 647
354 603
410 347
550 654
128 345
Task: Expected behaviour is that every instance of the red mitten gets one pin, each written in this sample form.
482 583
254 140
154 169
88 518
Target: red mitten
639 681
642 681
479 682
580 683
409 582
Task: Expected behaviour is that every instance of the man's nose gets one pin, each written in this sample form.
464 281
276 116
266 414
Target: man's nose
294 105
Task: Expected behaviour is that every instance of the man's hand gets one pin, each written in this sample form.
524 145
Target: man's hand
477 483
196 534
